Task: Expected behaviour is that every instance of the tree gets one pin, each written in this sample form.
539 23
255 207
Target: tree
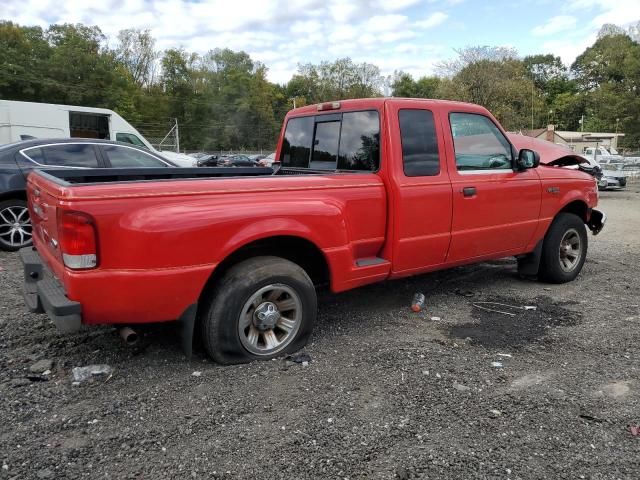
404 85
136 51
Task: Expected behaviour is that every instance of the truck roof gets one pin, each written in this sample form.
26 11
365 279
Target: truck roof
380 101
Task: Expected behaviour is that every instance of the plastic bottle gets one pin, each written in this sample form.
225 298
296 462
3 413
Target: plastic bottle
418 302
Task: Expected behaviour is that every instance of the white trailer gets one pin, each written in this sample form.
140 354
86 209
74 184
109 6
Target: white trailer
27 120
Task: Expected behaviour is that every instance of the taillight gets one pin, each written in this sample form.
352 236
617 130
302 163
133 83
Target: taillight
77 239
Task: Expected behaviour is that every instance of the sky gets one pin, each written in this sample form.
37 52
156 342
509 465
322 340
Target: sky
408 35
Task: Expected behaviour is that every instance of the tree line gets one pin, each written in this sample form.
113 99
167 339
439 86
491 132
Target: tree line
223 100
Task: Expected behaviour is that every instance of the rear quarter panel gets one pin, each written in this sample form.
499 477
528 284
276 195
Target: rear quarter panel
160 241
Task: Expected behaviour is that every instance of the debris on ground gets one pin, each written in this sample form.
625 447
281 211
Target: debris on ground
460 387
90 372
299 358
496 364
435 319
506 355
418 302
591 418
635 430
196 374
495 413
41 366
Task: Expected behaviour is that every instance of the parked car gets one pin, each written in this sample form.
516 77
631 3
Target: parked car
602 155
268 161
447 188
207 160
236 161
256 157
18 159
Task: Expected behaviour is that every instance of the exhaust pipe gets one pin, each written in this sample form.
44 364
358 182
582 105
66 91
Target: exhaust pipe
129 336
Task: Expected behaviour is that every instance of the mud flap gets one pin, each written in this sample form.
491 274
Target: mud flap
529 264
186 324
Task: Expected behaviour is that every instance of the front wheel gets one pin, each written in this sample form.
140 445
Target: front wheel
564 249
262 308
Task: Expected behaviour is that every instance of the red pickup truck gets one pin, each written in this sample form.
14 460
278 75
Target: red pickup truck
367 190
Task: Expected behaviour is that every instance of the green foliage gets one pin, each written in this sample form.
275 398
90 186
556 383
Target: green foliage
223 100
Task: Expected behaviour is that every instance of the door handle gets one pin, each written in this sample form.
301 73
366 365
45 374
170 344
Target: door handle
469 191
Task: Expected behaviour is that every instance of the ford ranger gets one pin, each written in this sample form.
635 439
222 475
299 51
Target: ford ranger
367 190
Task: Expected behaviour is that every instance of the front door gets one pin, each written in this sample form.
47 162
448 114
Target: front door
495 209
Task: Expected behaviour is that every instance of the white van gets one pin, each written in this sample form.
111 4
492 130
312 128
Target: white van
28 120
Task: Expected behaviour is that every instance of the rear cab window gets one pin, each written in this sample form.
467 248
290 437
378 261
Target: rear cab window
347 141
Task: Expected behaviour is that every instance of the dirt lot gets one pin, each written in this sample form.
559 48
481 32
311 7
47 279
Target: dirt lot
388 394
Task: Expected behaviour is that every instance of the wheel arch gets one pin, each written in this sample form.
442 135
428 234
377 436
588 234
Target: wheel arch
296 249
577 207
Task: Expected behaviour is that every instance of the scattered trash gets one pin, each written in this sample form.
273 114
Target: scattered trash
46 372
425 372
481 306
196 374
299 358
496 364
418 302
507 355
460 387
305 364
41 366
495 413
591 418
329 420
435 319
80 374
635 430
438 375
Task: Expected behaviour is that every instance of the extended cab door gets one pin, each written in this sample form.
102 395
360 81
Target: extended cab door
422 198
495 209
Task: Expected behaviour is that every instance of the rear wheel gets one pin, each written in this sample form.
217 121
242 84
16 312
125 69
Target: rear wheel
262 308
564 249
15 225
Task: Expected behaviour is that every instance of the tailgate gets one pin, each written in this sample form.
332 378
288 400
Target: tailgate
43 200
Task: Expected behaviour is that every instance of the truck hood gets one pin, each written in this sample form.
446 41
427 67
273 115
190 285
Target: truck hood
550 153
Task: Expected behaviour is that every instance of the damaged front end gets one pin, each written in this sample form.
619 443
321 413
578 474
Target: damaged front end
596 222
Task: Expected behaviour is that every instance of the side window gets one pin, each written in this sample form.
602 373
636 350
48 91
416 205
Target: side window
478 143
296 146
35 154
360 141
325 146
70 155
129 138
420 155
123 157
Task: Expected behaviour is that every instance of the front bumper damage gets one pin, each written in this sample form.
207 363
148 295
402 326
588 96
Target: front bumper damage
43 293
596 222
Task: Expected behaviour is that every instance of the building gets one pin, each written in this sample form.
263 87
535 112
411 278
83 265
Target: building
577 141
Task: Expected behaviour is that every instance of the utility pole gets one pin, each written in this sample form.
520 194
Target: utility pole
532 105
582 123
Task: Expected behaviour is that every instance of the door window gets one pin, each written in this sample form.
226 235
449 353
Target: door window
125 157
129 138
420 155
68 155
478 143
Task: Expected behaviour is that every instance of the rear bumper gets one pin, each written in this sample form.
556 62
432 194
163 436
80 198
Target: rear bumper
43 293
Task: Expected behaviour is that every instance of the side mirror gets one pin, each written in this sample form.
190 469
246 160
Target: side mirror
527 159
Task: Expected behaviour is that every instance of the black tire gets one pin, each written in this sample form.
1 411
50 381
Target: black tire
565 226
6 243
226 302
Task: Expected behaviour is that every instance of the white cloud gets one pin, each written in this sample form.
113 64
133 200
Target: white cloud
432 20
559 23
619 12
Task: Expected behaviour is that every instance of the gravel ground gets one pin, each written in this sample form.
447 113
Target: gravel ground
388 393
